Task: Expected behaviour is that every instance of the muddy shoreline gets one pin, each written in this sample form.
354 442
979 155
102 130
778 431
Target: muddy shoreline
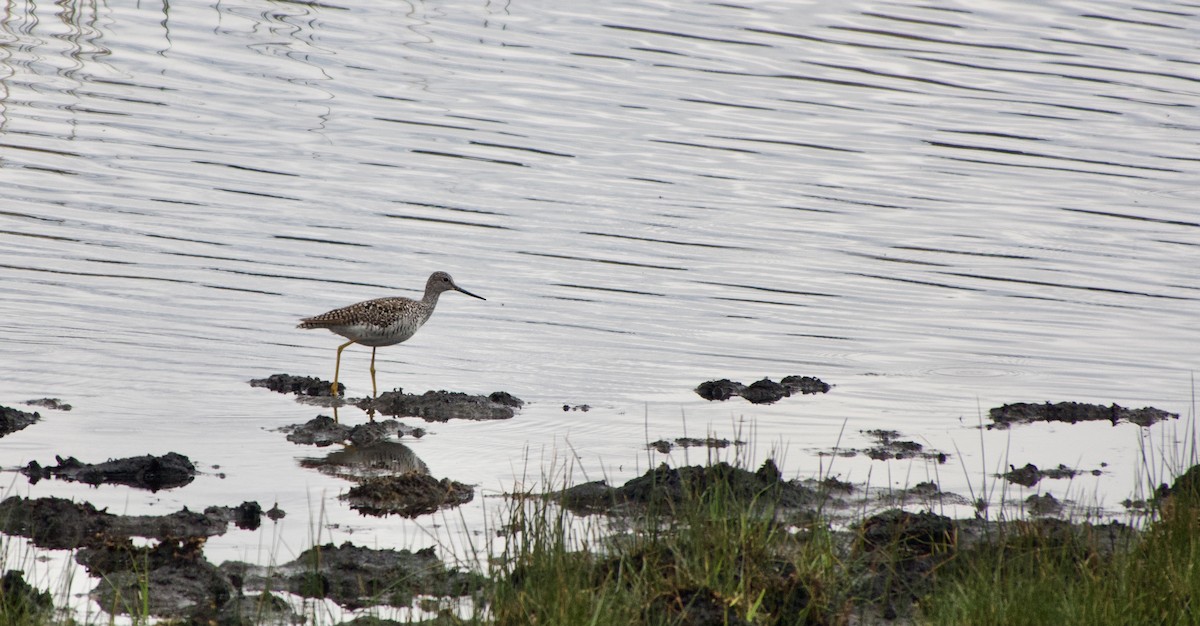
386 477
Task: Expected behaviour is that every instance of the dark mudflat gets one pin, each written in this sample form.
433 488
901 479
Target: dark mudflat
12 420
61 524
182 584
1074 412
442 406
143 472
765 391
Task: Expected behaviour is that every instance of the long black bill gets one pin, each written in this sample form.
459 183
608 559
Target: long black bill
457 288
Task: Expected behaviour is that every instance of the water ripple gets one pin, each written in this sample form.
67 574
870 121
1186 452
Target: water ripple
931 203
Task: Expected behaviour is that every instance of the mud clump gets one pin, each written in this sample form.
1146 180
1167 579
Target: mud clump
12 420
299 385
143 472
53 523
831 484
1043 504
408 495
442 406
723 389
1030 475
1185 491
248 516
318 431
1027 476
765 391
1074 412
666 484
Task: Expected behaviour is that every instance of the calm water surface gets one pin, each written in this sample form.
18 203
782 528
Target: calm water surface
938 209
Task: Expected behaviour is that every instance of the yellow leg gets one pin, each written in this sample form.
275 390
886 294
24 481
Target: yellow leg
374 390
337 368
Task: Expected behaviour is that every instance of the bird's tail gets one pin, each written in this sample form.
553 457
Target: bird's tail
313 322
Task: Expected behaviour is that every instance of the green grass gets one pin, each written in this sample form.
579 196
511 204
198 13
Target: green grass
1055 574
712 553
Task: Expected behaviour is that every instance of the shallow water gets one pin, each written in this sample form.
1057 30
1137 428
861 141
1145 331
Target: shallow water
938 210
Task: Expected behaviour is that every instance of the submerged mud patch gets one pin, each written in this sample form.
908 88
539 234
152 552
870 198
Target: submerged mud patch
143 472
390 478
665 447
442 406
323 431
381 458
889 445
765 391
357 577
12 420
49 403
1074 412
